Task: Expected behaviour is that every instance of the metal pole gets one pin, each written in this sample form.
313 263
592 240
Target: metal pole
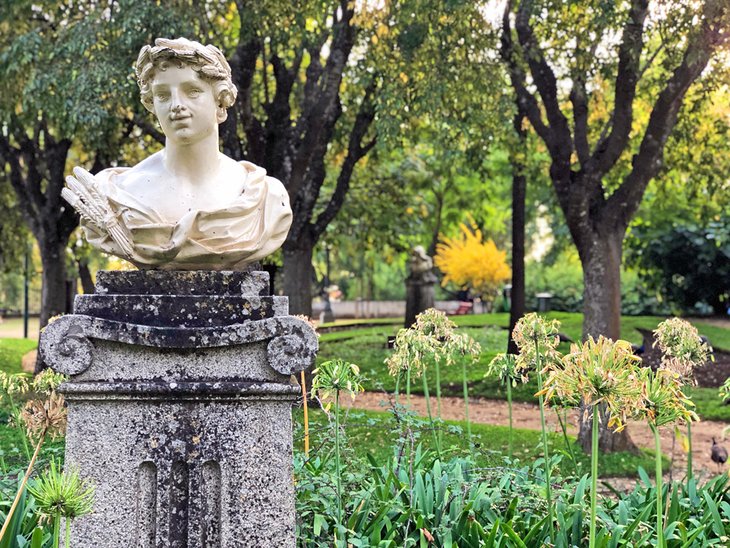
327 263
25 296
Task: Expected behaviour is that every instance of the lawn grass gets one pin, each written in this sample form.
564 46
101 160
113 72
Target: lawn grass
376 433
12 352
367 348
13 456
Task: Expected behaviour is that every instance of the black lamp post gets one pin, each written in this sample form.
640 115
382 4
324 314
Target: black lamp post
26 282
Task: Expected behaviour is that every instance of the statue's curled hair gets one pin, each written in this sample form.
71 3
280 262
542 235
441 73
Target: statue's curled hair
207 61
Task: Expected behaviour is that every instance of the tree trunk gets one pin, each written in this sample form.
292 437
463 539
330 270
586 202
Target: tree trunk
608 441
602 316
54 289
297 273
601 262
87 281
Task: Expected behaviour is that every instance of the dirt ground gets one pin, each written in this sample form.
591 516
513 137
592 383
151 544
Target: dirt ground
525 415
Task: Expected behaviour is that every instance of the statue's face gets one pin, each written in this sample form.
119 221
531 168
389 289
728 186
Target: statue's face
184 104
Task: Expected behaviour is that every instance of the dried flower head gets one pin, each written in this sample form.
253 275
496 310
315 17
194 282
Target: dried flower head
533 334
432 338
597 372
504 367
662 399
62 494
42 417
336 376
682 348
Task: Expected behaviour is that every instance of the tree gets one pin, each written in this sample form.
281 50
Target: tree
320 83
519 191
289 64
600 185
603 150
60 97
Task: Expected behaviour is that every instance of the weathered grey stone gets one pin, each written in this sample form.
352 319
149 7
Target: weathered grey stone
180 311
185 431
66 343
194 282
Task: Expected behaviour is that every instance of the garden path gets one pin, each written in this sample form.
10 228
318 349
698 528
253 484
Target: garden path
526 415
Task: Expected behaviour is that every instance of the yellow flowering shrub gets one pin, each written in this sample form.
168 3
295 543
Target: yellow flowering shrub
471 262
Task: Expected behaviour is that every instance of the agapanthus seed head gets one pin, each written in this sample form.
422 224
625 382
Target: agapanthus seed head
432 338
504 367
62 494
682 348
336 376
597 372
537 340
45 417
662 400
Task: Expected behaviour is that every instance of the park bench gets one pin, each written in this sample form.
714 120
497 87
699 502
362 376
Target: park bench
464 308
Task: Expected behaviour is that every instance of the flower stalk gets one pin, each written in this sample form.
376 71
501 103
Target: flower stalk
330 379
594 477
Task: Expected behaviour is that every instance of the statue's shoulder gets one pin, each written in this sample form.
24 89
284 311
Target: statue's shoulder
145 172
256 176
251 170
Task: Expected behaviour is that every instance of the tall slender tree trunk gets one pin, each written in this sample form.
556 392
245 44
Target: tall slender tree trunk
297 274
87 280
519 192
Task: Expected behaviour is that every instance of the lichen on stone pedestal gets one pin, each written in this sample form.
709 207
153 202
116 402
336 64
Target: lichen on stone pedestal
180 397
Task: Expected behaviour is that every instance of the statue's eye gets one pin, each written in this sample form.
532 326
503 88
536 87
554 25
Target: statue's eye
195 92
162 96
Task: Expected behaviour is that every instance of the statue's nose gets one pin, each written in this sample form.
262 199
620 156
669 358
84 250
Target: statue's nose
177 103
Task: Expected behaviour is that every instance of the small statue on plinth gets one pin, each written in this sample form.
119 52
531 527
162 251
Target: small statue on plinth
419 284
189 206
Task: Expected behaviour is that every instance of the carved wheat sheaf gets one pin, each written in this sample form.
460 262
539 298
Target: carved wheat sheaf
82 193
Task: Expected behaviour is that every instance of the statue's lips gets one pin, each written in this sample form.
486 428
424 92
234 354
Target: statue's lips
180 119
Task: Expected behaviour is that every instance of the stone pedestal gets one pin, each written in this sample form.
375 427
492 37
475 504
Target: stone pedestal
179 400
419 295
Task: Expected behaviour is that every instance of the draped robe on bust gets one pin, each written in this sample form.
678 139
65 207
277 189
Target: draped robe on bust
251 227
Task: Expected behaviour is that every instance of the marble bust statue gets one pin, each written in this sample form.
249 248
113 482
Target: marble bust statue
188 206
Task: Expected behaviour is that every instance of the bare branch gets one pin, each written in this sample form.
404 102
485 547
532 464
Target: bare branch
10 156
324 113
243 67
544 78
356 150
580 119
148 128
624 202
525 99
609 148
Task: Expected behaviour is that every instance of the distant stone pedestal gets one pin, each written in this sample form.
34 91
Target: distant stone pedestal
179 400
419 295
